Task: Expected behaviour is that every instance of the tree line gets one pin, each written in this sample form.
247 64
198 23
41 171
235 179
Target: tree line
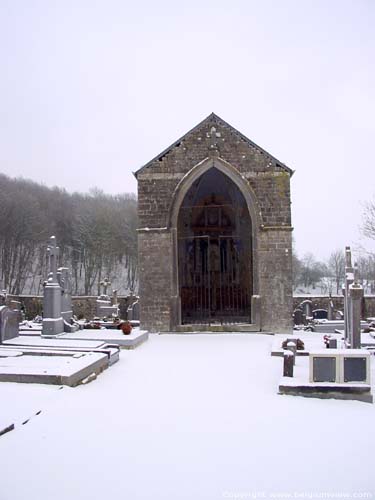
329 275
96 234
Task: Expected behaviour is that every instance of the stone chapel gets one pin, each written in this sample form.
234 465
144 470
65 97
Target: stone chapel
215 235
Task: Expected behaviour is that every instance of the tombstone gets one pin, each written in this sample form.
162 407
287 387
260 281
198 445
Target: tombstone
53 322
298 317
104 307
133 311
307 308
332 343
9 323
63 277
320 314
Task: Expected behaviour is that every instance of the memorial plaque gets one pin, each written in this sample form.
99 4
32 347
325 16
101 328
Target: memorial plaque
324 369
355 369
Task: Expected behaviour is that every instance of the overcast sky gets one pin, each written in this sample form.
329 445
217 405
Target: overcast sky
92 90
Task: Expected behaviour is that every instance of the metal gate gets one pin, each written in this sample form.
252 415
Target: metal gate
214 280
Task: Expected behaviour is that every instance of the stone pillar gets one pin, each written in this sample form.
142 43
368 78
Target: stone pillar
53 323
356 295
349 279
256 311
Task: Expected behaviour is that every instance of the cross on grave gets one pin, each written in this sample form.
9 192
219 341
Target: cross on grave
105 284
53 252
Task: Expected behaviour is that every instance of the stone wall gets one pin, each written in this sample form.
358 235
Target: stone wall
154 258
321 302
83 306
275 268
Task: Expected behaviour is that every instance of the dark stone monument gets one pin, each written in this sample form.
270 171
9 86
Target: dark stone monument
299 317
320 314
9 323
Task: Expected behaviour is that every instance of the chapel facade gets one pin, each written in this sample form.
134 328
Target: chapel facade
215 235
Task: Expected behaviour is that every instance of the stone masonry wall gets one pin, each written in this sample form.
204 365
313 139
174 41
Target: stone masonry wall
83 306
275 267
321 302
154 259
156 183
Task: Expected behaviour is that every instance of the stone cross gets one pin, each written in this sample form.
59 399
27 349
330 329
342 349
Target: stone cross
53 252
105 284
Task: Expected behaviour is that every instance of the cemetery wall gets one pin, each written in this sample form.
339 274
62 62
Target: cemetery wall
321 302
83 306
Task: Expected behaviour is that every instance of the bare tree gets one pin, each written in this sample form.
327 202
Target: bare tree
368 225
336 267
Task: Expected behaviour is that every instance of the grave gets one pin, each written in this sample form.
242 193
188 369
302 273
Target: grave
9 323
50 367
63 278
320 314
133 313
342 373
53 322
104 307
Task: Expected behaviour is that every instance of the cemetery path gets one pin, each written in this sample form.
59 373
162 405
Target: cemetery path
189 417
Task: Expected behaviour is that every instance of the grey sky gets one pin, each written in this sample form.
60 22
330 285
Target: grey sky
91 90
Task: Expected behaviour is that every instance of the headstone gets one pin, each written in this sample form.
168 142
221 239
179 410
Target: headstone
320 314
133 311
307 308
63 277
332 343
53 322
298 317
104 308
9 323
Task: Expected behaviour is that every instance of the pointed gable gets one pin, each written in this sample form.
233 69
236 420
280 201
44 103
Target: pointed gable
202 133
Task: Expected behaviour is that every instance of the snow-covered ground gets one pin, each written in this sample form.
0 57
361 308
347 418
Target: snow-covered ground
186 417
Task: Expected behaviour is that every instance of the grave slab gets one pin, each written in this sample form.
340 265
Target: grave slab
109 336
52 367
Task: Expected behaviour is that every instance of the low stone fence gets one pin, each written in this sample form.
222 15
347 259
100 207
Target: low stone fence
321 302
83 306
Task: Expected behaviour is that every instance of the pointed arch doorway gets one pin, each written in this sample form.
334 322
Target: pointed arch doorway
215 258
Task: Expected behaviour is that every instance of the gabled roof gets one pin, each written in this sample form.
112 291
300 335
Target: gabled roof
212 118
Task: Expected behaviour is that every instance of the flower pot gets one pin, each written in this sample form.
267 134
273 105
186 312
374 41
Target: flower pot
126 328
